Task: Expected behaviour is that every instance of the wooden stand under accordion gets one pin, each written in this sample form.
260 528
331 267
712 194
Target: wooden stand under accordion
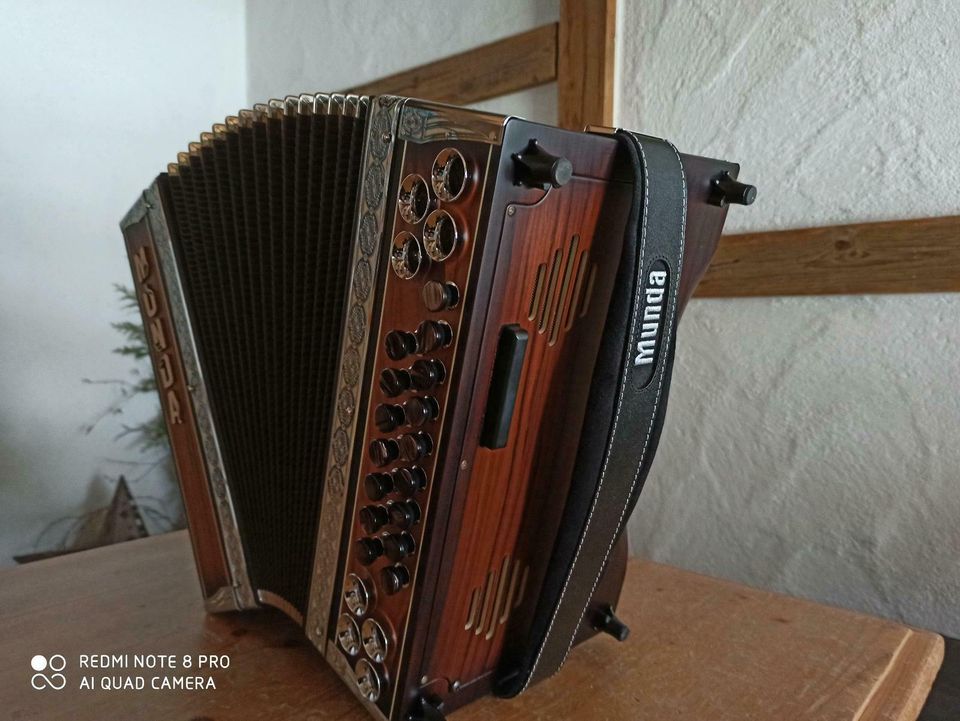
374 324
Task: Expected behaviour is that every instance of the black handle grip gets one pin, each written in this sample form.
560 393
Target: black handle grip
507 366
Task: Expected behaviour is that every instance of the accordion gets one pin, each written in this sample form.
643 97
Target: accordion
413 361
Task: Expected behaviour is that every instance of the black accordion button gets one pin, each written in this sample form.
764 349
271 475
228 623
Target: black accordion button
404 514
398 546
394 381
399 344
387 417
394 578
433 334
383 450
420 410
414 446
439 296
369 550
377 485
409 480
426 374
373 518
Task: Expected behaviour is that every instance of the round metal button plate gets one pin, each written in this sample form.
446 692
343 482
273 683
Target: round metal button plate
368 680
355 595
374 640
348 635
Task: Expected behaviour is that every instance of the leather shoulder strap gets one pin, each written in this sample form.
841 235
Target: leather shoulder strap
627 403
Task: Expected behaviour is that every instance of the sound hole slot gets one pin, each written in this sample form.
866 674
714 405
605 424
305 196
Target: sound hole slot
537 291
561 303
474 609
588 292
547 306
487 601
571 308
501 592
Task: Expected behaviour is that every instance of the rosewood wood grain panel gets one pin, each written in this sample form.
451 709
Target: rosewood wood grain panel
900 256
506 66
558 258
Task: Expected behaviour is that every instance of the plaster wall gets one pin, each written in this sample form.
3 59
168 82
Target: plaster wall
811 443
98 97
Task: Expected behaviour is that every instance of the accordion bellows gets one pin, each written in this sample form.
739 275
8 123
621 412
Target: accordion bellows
264 209
385 334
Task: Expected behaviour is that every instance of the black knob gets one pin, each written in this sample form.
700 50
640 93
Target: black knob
398 546
409 480
426 373
606 620
536 168
393 578
439 296
727 190
394 381
404 514
414 446
420 410
387 417
433 334
373 518
383 450
369 550
377 485
399 344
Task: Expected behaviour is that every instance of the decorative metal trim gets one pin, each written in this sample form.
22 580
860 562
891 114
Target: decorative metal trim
216 476
424 122
367 246
269 598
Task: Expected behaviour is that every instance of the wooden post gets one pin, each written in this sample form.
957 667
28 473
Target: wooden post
585 63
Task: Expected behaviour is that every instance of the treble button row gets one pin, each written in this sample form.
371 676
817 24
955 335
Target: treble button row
429 336
410 447
424 375
414 412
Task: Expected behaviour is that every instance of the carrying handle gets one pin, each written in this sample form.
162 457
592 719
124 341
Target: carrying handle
507 366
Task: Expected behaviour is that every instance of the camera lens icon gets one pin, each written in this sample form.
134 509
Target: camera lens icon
55 664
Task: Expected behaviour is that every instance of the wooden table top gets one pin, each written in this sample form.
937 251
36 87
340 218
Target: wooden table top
700 649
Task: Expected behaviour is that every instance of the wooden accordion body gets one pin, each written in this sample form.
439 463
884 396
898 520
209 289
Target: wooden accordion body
373 347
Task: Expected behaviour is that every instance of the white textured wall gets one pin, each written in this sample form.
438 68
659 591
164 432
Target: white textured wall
97 98
327 45
812 443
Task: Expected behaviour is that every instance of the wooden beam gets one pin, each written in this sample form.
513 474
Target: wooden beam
506 66
900 256
585 63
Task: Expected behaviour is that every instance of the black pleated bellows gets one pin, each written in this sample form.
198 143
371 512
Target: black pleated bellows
263 211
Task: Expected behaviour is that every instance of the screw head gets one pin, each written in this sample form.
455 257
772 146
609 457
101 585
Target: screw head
511 210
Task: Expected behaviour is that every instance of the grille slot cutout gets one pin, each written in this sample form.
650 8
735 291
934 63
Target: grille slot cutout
492 601
557 299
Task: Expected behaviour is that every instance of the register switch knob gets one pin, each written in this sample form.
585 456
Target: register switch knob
536 168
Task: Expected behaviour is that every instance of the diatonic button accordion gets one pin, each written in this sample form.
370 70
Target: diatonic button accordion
413 361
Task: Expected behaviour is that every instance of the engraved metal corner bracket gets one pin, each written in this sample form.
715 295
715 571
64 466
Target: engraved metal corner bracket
220 490
424 122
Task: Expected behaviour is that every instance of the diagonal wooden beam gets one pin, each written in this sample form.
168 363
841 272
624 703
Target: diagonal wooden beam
506 66
900 256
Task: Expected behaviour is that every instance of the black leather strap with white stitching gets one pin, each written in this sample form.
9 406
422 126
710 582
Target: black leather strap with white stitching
628 399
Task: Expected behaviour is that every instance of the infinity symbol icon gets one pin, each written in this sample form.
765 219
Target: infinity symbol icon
55 680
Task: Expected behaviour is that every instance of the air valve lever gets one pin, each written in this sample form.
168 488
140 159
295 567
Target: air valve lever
536 168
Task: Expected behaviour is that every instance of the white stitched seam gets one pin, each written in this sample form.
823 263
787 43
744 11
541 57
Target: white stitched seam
656 400
616 420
